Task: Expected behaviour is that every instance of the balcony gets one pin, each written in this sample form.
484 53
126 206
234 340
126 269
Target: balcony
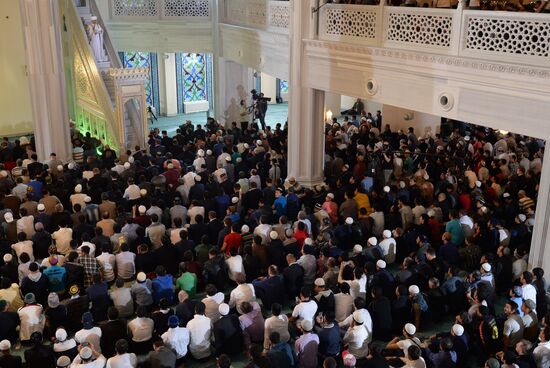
520 38
155 10
272 16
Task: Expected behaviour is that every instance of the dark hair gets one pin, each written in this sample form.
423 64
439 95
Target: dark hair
305 291
121 346
33 267
200 308
224 361
276 309
414 352
112 313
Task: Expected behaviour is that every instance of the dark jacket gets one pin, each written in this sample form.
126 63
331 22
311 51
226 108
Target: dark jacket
228 335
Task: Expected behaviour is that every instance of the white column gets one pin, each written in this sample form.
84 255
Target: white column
235 81
269 87
168 84
306 106
539 255
42 29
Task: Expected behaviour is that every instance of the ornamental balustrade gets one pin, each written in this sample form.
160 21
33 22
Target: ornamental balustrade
154 10
259 14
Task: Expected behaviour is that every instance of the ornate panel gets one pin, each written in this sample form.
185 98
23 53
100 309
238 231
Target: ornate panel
135 8
82 81
187 8
508 36
279 14
194 77
349 22
420 29
137 59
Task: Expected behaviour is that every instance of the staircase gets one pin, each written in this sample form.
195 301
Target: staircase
109 99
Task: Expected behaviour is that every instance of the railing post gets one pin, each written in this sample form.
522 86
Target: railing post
457 28
380 20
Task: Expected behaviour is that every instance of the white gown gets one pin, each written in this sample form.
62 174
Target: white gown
96 42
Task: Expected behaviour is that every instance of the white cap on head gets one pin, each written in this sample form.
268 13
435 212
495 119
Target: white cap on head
467 138
170 165
61 334
78 188
308 241
3 173
141 276
426 176
41 207
209 152
413 290
457 329
246 146
410 328
486 267
223 309
358 317
381 263
93 17
234 200
245 229
70 165
357 248
143 192
506 195
127 165
131 159
349 221
274 235
200 152
306 325
87 199
142 209
319 282
258 142
386 233
5 345
330 195
7 258
8 216
401 184
373 241
59 167
86 353
431 213
478 183
228 159
387 189
522 217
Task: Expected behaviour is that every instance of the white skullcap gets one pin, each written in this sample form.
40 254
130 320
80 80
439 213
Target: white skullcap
127 165
86 353
41 207
306 325
3 173
59 167
478 183
426 176
170 165
259 142
349 221
200 153
387 189
131 159
141 276
413 290
319 282
386 233
506 195
358 317
522 217
87 199
381 263
245 229
484 303
8 216
330 195
308 241
61 335
7 258
223 309
234 200
373 241
198 178
78 188
5 345
502 235
402 184
246 146
467 138
357 248
142 209
486 267
410 329
457 329
274 235
228 159
70 165
143 192
209 152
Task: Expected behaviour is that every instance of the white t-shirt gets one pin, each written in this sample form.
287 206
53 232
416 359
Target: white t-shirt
529 292
419 363
305 310
178 339
404 344
127 360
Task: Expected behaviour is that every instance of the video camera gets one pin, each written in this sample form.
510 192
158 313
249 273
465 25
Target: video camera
259 96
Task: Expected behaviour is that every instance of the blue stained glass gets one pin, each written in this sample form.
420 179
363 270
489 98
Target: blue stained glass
283 85
194 77
137 59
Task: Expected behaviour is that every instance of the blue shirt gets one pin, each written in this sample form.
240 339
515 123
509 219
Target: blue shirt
330 340
280 206
163 287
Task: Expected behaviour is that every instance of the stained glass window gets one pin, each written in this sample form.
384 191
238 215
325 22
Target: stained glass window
138 59
283 85
193 81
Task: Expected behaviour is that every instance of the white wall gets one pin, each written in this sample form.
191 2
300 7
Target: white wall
269 87
15 100
421 122
370 106
167 84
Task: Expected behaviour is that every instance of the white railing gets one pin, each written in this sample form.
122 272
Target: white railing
500 36
259 14
154 10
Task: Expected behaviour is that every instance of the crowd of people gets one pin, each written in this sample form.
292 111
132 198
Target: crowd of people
197 249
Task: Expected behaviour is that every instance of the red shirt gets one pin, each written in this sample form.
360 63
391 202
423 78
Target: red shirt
232 241
300 237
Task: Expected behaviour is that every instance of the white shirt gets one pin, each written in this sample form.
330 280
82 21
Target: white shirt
356 338
406 343
141 329
386 245
24 246
242 293
367 324
542 355
200 330
305 310
63 238
26 225
263 230
125 264
343 306
78 198
89 245
528 291
32 320
127 360
107 262
92 336
419 363
132 192
234 265
194 211
178 339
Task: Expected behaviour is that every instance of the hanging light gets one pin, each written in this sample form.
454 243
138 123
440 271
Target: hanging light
328 115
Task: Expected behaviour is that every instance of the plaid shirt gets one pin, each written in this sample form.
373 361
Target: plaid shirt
91 267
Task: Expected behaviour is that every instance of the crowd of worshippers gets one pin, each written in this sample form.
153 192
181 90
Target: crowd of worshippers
195 248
